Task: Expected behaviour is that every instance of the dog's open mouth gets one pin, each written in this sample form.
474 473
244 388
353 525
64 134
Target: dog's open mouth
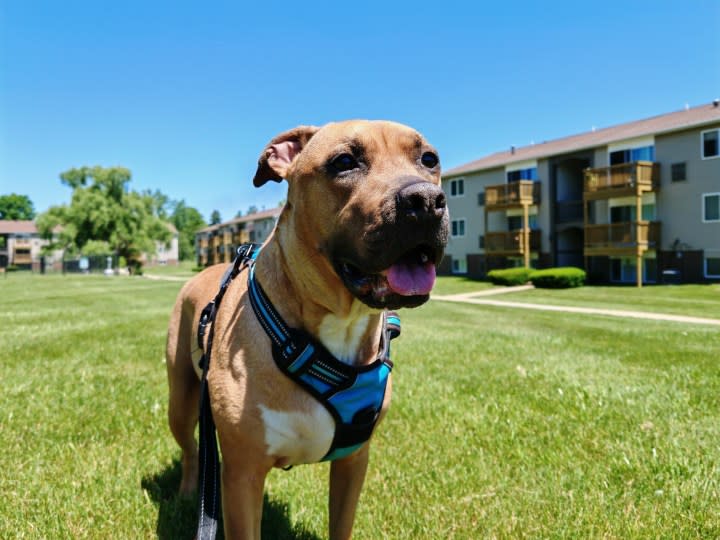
405 283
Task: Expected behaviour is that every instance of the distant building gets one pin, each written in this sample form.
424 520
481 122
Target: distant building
638 203
21 245
217 243
165 252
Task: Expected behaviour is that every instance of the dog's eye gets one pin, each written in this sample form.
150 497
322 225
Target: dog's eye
429 160
344 162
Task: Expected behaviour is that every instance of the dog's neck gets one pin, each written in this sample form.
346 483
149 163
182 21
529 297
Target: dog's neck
308 294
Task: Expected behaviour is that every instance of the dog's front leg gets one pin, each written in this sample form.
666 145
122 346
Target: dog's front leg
242 500
346 480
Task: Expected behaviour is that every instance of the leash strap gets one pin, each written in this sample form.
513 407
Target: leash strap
209 459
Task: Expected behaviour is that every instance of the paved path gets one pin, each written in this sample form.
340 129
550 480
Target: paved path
157 277
472 298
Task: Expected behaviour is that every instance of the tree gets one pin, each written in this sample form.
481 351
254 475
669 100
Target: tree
103 209
215 217
14 206
187 221
252 209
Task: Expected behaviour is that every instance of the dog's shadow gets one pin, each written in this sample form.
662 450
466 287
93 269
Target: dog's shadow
177 516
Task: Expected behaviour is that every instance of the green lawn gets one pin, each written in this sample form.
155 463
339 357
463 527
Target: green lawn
696 300
505 423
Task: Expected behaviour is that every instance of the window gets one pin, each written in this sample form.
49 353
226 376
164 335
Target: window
457 187
459 266
678 172
522 174
624 270
644 153
711 207
458 227
481 199
710 143
515 223
623 214
712 264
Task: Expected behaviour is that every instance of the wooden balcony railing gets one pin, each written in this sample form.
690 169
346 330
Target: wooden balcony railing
623 235
510 242
645 174
512 194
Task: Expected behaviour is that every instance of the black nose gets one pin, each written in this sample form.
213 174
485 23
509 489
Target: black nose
421 200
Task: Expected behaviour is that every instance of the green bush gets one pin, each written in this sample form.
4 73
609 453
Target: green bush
12 268
509 276
558 278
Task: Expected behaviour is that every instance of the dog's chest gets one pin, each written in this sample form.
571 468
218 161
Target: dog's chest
295 437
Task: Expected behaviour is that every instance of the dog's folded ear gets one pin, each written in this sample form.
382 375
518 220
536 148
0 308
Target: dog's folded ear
279 154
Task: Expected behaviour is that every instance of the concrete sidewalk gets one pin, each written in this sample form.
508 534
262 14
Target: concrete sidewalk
472 298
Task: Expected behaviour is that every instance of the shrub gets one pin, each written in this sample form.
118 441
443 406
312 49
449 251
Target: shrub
558 278
509 276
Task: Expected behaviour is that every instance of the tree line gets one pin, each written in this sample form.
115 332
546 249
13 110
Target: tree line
105 216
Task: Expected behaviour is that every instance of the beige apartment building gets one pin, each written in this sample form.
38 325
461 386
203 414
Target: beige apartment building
217 243
633 203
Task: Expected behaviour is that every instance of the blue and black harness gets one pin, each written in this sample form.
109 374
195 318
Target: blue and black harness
352 395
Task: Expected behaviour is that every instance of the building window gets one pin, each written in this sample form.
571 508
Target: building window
623 270
458 228
457 187
522 174
678 172
481 241
515 223
712 264
459 266
644 153
710 143
481 198
711 207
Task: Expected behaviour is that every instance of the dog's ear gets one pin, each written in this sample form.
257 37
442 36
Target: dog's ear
279 154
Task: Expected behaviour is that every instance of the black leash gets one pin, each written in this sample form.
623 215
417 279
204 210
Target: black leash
209 460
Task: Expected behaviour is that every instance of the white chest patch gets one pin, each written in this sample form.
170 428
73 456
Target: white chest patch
298 437
341 336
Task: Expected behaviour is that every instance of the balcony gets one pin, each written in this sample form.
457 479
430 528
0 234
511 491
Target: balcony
512 195
620 180
510 243
621 238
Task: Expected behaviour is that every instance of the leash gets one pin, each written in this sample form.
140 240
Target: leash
352 395
209 462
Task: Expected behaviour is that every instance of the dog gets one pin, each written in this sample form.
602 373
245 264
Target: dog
363 230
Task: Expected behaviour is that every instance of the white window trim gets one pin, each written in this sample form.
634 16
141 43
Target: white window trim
464 228
702 144
462 266
710 254
702 208
456 196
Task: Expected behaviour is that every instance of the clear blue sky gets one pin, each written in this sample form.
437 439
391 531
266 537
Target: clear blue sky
186 94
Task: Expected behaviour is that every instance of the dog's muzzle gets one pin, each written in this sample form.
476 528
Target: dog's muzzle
393 264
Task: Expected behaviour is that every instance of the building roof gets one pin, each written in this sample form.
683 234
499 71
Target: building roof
250 218
9 226
665 123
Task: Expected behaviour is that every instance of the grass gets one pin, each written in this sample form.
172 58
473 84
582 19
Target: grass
182 269
696 300
504 424
446 285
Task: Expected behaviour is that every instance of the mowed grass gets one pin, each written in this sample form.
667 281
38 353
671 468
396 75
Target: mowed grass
504 424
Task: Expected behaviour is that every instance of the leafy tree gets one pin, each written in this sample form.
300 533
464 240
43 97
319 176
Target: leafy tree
252 209
14 206
187 221
215 217
103 209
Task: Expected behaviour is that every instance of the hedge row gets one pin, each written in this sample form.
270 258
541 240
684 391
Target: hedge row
549 278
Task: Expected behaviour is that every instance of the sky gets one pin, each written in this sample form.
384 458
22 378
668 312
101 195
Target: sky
187 94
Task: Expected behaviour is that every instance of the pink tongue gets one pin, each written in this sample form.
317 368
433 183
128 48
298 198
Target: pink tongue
411 280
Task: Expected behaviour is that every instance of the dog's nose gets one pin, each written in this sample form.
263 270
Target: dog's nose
421 200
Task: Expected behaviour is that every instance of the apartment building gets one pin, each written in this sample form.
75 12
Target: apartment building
217 243
633 203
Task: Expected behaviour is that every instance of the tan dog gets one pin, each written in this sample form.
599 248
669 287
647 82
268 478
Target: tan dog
364 224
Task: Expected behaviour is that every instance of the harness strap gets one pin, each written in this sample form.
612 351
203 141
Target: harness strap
309 364
209 460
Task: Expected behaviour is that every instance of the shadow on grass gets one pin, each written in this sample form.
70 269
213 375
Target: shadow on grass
177 516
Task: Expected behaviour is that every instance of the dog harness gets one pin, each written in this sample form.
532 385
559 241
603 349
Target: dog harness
352 395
